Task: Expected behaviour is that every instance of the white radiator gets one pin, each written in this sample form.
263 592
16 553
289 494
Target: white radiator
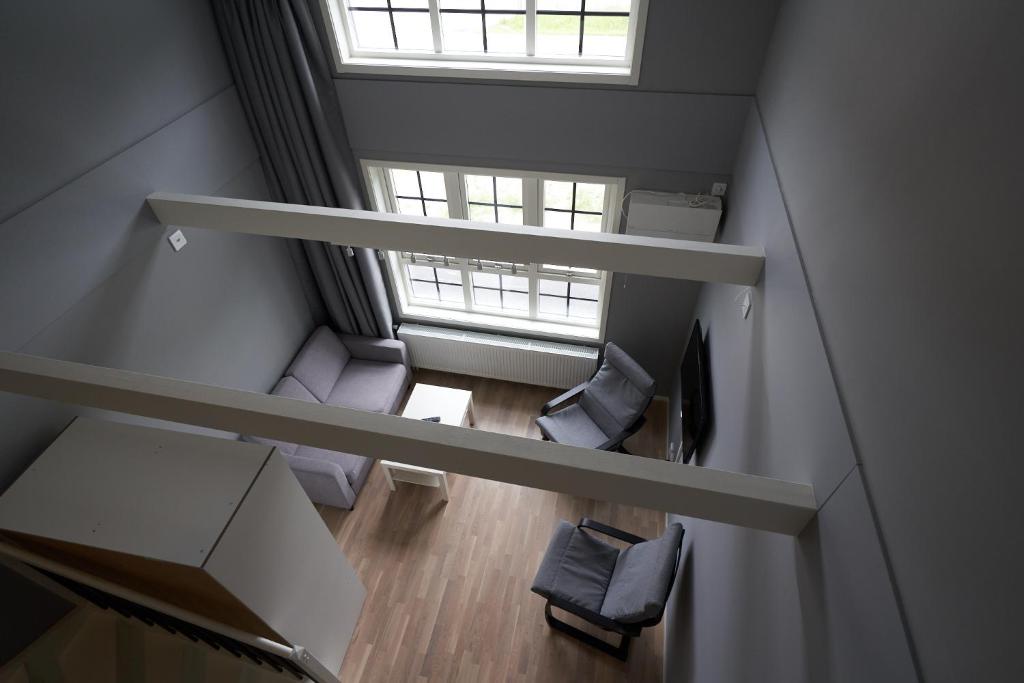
547 364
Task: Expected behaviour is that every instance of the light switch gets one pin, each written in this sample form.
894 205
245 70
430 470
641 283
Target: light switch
718 189
745 306
177 240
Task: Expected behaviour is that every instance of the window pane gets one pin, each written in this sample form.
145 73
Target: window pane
480 188
553 287
589 197
449 275
462 32
603 36
584 291
459 4
423 290
420 272
415 4
557 219
413 31
369 3
481 279
373 30
552 305
608 6
483 213
515 283
566 5
583 309
437 209
405 183
516 301
433 185
486 297
507 215
510 191
557 195
506 33
506 4
585 222
451 293
558 35
412 207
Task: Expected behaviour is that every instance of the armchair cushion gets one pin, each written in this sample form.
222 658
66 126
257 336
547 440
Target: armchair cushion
572 425
640 582
618 394
320 363
576 568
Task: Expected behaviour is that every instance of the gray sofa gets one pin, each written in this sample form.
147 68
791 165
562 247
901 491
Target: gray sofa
364 373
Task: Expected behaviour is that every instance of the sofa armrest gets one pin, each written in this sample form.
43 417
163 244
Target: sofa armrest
375 348
324 482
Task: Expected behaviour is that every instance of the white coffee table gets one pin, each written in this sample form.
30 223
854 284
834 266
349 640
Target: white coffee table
454 407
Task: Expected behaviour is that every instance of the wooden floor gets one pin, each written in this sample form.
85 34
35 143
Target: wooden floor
449 584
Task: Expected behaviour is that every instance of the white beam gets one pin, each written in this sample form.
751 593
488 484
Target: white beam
680 259
730 497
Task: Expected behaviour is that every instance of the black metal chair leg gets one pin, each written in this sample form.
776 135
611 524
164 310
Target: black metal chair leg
621 652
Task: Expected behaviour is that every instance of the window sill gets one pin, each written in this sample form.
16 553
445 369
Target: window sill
494 323
518 71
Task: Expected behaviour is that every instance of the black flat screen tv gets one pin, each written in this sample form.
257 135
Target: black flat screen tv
695 398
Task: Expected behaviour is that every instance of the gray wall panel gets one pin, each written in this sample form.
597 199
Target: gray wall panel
672 143
102 104
896 132
666 131
753 606
52 260
85 80
710 46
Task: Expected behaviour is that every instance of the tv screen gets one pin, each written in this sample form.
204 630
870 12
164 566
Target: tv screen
695 398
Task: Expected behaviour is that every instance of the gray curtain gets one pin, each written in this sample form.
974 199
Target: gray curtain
284 82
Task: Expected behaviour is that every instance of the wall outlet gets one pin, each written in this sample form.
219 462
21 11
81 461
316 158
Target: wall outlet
177 240
718 189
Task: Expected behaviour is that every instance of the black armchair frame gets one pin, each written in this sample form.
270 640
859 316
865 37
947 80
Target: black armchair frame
626 631
612 444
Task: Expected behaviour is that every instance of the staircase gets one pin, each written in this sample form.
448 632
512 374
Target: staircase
113 634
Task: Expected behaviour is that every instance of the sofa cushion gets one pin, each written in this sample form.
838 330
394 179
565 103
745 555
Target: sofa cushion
351 465
320 363
572 425
369 385
643 573
287 387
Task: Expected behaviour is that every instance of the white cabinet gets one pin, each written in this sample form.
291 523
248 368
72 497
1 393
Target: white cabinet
218 527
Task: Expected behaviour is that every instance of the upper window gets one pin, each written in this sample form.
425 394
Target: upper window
578 40
544 298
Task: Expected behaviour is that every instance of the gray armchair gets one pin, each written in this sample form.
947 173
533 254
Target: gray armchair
622 591
610 408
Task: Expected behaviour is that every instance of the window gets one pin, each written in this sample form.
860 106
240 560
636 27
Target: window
545 298
577 40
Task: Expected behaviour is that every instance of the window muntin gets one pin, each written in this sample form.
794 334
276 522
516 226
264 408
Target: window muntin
585 40
570 298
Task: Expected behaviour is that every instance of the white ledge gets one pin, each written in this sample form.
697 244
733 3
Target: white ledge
671 258
733 498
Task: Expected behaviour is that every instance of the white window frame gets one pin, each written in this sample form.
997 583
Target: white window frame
381 198
349 59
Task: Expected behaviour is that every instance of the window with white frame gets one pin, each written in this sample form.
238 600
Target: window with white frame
583 40
550 299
